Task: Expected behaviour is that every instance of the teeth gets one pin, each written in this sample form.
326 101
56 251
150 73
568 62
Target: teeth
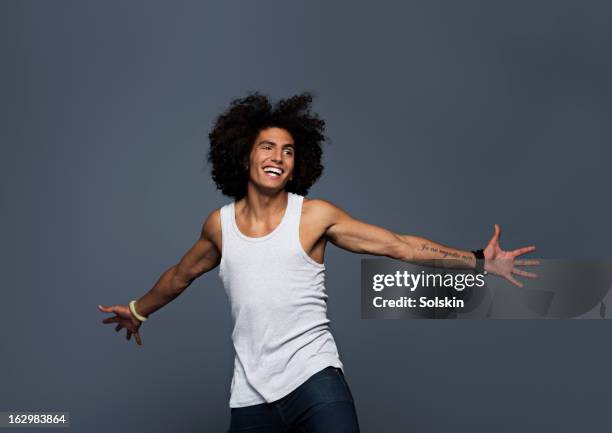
273 170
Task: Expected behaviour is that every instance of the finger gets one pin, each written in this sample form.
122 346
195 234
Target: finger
514 281
128 334
524 273
138 339
523 250
112 309
111 319
496 232
118 328
526 262
103 308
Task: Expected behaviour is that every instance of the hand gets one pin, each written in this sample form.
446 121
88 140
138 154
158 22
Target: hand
502 263
124 319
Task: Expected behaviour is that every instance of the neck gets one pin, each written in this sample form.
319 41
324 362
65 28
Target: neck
262 205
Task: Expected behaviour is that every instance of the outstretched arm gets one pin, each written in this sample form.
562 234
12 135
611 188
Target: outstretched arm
201 257
356 236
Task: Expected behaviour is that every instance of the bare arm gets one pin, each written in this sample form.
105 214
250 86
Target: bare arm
356 236
425 251
201 257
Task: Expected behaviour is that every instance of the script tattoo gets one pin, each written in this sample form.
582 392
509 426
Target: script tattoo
445 254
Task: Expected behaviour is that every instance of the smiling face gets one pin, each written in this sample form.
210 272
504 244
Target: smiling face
272 159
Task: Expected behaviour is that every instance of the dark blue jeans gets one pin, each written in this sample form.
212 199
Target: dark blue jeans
322 404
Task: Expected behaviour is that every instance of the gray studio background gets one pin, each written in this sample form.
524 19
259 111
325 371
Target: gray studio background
444 118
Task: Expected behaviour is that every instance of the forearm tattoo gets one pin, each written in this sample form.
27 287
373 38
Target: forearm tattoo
444 254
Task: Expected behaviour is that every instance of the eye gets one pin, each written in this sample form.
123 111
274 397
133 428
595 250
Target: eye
289 151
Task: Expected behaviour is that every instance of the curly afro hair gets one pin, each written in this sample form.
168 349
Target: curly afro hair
235 131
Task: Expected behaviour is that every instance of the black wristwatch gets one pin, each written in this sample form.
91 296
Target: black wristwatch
480 261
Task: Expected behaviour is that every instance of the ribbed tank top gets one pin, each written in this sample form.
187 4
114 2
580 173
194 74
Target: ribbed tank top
278 301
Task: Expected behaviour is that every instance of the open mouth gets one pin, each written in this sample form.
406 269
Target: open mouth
273 172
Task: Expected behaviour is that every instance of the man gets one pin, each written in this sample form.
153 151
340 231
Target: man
269 244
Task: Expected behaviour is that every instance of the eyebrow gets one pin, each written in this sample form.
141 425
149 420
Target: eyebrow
274 144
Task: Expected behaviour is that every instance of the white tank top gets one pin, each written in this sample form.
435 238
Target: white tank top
278 301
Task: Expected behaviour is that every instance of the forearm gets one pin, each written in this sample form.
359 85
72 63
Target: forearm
425 251
166 289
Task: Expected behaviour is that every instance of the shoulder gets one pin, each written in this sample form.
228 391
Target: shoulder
318 205
211 226
321 210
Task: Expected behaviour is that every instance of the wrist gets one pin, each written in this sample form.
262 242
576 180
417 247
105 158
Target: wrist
132 306
480 262
135 321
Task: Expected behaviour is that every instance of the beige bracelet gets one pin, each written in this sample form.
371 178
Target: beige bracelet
135 313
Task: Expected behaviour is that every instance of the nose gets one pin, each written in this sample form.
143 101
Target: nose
278 156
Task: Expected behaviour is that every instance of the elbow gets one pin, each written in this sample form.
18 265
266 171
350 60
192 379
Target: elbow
181 284
400 250
180 281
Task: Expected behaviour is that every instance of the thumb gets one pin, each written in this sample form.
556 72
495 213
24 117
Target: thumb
497 232
106 309
495 238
